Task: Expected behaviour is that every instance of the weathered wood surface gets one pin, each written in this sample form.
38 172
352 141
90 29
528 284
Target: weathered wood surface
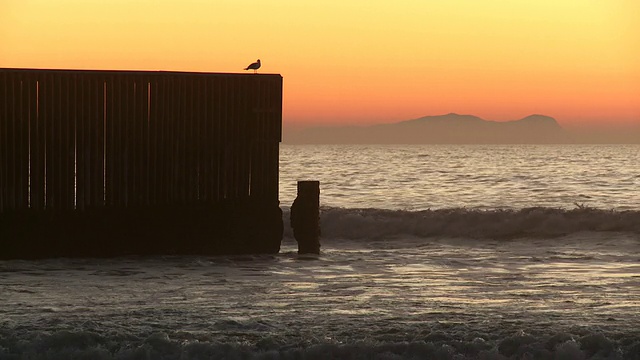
84 139
73 141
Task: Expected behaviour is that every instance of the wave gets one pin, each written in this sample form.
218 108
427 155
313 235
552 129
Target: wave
535 222
90 345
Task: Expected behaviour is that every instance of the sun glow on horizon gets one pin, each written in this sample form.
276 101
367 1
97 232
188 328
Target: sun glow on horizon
361 62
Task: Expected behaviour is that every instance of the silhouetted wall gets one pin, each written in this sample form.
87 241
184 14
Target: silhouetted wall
75 140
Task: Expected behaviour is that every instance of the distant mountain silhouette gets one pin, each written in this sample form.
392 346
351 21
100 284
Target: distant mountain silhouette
441 129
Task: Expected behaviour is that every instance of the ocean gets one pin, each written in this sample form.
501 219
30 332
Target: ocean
428 252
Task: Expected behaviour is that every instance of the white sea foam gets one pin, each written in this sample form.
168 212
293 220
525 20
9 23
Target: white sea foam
437 345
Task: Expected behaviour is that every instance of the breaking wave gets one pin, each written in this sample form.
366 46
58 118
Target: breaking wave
90 345
535 222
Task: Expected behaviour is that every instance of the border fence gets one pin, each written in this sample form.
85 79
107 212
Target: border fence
83 141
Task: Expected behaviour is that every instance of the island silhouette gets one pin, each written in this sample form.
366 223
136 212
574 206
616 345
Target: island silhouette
441 129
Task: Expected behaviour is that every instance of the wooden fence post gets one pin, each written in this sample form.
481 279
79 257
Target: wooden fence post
305 217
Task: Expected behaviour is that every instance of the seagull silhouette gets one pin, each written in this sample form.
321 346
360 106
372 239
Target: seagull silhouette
255 66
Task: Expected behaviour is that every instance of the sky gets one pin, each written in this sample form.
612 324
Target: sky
361 62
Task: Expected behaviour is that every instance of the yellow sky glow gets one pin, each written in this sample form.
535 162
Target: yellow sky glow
361 61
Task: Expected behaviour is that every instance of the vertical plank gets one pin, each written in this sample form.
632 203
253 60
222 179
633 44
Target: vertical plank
278 106
97 151
46 99
60 159
92 118
157 118
178 138
186 134
19 156
225 139
241 117
13 118
109 143
240 134
127 108
239 122
169 134
201 133
35 187
146 157
212 150
114 116
277 120
194 137
103 138
182 148
80 142
183 133
248 130
132 122
132 137
118 123
60 127
169 138
195 134
268 141
73 140
138 145
172 137
54 178
85 143
38 148
66 144
254 129
190 142
151 152
88 140
207 145
3 141
238 137
233 137
23 178
277 123
157 107
228 140
216 138
7 143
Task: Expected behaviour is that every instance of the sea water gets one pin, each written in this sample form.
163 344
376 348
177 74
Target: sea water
428 252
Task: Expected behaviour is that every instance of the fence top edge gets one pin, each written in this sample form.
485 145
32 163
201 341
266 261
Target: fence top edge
132 72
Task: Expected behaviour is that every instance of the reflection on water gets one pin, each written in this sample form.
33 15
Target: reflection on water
417 177
572 282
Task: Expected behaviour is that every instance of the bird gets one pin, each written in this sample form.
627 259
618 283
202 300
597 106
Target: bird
255 66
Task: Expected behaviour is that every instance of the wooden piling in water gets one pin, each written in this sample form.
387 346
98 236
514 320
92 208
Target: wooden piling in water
305 217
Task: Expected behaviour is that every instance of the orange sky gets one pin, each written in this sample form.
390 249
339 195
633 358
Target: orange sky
358 61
